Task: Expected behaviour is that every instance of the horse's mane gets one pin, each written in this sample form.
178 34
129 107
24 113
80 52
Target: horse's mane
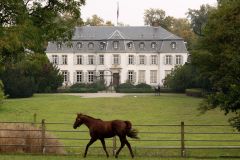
91 117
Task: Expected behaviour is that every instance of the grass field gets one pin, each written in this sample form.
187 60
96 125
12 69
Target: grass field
165 109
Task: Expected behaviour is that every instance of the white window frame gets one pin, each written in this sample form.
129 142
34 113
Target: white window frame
142 59
115 44
130 76
168 59
64 59
153 45
79 76
90 76
101 59
79 59
65 74
130 59
101 75
116 59
153 76
153 59
79 45
179 60
55 59
90 59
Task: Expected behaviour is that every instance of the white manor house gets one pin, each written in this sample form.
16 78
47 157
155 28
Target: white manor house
118 54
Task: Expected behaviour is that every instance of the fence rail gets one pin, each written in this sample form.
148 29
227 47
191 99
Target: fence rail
180 131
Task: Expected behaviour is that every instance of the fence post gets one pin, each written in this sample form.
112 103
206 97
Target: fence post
43 136
182 140
114 145
34 119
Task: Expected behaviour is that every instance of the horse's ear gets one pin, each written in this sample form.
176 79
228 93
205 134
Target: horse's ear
79 114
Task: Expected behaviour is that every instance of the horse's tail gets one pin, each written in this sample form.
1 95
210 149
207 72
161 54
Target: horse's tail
132 133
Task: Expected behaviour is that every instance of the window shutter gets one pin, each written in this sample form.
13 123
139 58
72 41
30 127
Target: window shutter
119 59
134 77
68 77
51 59
74 59
83 76
74 77
86 77
127 78
171 60
164 60
58 62
94 60
157 60
83 60
134 60
181 59
145 60
112 59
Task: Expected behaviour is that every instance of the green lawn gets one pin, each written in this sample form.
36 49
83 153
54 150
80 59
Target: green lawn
165 109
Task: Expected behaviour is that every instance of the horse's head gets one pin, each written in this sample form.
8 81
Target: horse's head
78 122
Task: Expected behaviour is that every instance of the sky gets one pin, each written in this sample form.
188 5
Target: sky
131 12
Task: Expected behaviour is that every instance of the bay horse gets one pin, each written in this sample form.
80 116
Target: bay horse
100 129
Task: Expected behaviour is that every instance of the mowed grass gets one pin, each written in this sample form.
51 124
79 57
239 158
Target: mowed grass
165 109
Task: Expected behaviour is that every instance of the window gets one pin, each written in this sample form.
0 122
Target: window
101 75
153 45
90 76
168 59
153 76
79 59
130 45
141 76
64 59
153 59
90 45
141 59
55 59
130 76
173 45
167 72
102 45
90 59
65 76
178 59
141 45
115 44
79 76
101 59
130 59
59 45
79 45
116 59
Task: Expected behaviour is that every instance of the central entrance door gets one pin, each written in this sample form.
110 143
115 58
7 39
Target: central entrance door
115 79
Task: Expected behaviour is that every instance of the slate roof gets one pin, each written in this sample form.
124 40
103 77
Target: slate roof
124 35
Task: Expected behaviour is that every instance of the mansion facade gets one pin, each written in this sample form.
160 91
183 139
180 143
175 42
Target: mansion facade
118 55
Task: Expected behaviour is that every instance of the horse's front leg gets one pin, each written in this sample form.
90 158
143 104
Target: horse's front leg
104 146
92 140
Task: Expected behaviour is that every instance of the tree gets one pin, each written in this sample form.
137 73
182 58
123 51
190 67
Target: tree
183 77
218 59
199 18
1 93
182 28
95 20
30 24
157 17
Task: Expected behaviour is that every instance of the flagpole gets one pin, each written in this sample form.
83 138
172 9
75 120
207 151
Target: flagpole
117 12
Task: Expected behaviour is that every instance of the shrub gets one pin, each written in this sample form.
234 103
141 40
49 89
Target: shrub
85 88
1 92
130 88
16 83
194 92
30 141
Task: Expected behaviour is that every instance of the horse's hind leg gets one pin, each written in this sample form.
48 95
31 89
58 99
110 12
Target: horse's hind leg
92 140
122 145
130 148
104 146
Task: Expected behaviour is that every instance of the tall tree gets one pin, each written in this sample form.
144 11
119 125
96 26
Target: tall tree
217 56
95 20
199 18
157 17
30 24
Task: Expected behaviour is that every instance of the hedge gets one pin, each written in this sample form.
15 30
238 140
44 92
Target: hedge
194 92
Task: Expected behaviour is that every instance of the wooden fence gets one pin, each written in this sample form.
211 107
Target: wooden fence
228 140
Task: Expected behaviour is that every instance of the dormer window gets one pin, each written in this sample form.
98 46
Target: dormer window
59 46
90 45
173 45
102 45
153 45
115 44
130 45
141 45
79 45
